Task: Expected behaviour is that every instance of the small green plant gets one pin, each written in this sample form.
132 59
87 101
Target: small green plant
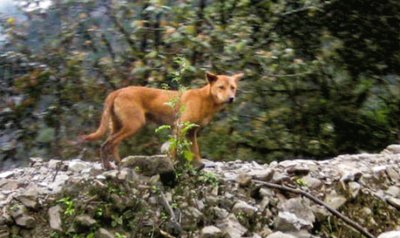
118 235
55 235
68 204
90 235
300 182
163 216
208 178
99 212
179 145
116 220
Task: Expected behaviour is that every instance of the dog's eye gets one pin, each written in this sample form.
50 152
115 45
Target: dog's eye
221 87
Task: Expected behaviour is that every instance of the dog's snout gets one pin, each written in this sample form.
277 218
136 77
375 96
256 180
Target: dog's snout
231 99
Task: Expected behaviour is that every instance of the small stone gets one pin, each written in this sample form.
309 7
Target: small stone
58 183
393 149
266 231
148 165
312 183
110 174
279 178
354 189
395 202
300 207
266 192
243 180
36 161
393 174
54 164
103 233
264 175
10 184
298 170
85 221
320 212
4 232
335 201
55 218
7 174
125 174
211 232
26 221
353 175
232 227
390 234
77 166
279 234
264 203
219 213
28 201
17 211
287 222
393 191
195 213
378 170
242 208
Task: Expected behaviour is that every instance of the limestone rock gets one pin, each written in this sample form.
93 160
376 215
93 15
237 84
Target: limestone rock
6 174
264 175
390 234
354 189
85 221
77 166
393 174
393 191
394 149
26 221
395 202
279 234
54 214
301 209
312 183
243 208
103 233
232 227
298 170
287 221
243 180
149 165
334 200
211 232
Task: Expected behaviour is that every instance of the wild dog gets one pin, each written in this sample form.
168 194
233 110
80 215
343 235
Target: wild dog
126 110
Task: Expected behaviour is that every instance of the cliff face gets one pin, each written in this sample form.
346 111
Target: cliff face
227 199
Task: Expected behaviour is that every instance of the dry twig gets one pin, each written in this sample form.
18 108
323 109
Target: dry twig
335 212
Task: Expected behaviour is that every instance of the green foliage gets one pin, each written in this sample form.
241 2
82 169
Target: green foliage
118 235
322 77
179 145
208 178
69 205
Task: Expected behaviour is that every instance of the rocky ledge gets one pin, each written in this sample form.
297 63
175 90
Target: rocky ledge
147 198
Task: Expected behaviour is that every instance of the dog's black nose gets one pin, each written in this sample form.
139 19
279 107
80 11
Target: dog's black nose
231 99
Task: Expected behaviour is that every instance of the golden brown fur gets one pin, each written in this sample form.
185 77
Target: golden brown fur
128 109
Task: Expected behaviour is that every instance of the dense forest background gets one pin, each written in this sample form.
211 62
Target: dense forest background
321 77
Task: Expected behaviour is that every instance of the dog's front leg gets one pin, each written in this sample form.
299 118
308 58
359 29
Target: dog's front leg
192 136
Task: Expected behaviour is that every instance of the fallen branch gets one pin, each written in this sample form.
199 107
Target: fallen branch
167 207
335 212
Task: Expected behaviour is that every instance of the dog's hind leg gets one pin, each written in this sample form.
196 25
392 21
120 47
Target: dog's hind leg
131 119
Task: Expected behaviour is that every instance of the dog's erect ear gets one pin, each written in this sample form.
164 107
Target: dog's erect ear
211 78
238 76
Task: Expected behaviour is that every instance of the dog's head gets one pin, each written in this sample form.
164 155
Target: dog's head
222 87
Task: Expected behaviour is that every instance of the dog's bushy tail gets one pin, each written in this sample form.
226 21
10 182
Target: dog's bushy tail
105 119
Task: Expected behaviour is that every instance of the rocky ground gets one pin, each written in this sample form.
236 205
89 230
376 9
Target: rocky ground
227 199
